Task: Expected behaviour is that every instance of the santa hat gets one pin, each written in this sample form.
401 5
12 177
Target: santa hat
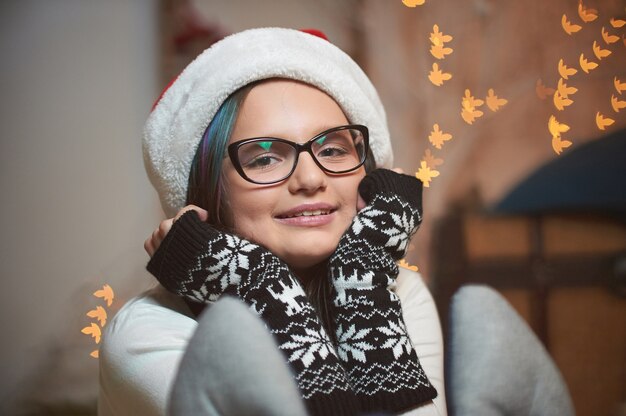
183 112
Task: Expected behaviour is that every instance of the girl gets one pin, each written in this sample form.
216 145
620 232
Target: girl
269 134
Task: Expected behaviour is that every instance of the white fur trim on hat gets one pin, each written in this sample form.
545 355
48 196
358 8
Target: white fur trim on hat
178 121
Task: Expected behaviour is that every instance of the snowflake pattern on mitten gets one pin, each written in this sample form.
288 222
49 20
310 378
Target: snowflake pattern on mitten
374 345
200 263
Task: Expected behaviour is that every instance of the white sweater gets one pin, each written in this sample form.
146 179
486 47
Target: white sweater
143 344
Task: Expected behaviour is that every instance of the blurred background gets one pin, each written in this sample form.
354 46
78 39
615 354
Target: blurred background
502 207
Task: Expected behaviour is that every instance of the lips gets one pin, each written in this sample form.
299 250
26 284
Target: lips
308 210
307 214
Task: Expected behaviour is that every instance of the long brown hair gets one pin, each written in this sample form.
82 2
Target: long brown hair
205 187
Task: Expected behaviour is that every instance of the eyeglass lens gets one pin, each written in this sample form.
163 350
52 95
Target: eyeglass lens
270 160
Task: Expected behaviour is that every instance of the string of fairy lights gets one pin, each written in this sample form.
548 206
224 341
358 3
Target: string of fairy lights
99 314
472 107
562 94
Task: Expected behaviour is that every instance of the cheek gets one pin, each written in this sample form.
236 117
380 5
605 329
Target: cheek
236 203
251 213
349 188
244 215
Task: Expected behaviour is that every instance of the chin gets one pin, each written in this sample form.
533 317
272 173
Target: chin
305 258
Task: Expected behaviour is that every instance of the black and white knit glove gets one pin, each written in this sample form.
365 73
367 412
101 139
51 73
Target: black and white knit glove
201 263
374 345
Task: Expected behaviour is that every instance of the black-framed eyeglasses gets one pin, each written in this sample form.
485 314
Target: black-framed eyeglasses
267 160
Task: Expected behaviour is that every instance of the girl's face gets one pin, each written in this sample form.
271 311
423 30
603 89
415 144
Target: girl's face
261 213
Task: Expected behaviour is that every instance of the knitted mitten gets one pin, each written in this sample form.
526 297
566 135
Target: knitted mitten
200 263
383 368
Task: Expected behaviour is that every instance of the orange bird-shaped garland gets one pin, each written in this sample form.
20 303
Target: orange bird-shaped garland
561 95
99 313
427 170
438 137
603 122
542 91
413 3
599 52
493 101
94 331
564 71
437 77
469 111
556 128
617 23
105 293
430 159
586 14
619 85
404 264
569 27
438 41
617 104
586 65
425 174
607 37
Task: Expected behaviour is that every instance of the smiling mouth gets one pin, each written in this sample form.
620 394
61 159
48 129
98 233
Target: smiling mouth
308 213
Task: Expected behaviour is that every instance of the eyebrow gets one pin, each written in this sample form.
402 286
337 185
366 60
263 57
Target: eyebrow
322 128
318 130
325 127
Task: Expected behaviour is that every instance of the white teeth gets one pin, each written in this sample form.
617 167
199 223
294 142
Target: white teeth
310 213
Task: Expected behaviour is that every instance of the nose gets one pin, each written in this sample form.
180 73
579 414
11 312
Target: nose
308 177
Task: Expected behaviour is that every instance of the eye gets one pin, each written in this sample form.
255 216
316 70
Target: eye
332 151
262 161
334 145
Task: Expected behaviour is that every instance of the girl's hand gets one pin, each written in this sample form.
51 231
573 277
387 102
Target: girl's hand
153 242
360 203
